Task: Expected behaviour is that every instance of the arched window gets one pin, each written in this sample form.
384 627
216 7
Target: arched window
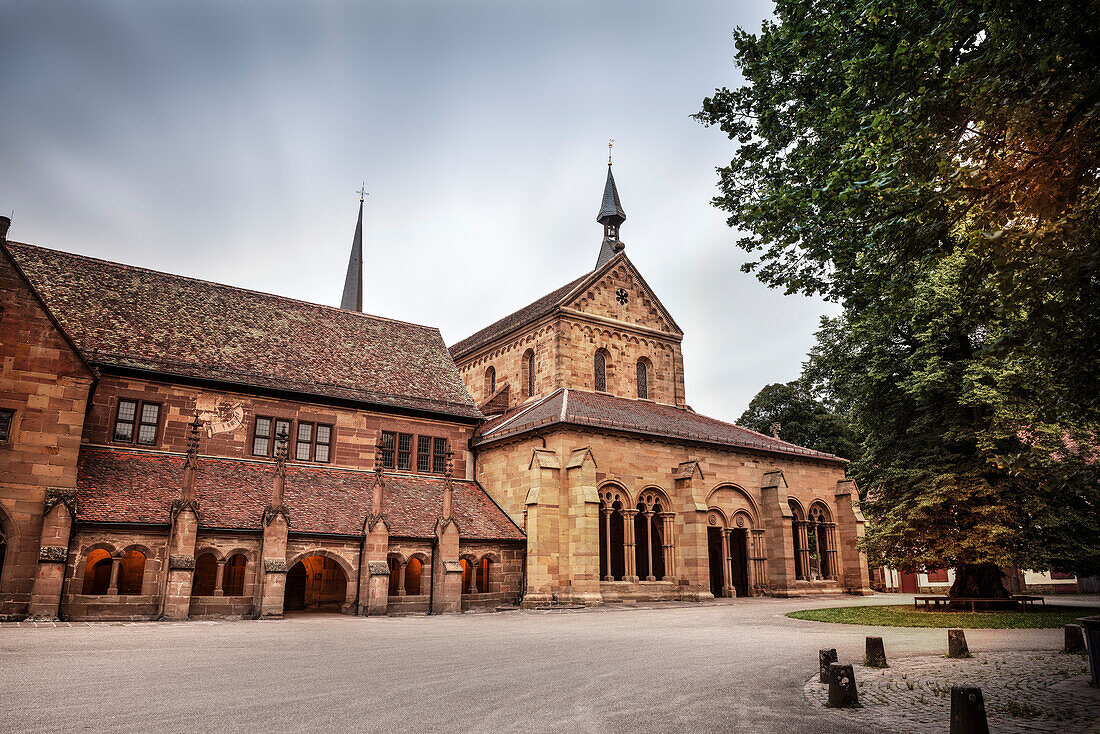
612 534
3 550
600 365
412 577
131 573
233 575
819 536
467 572
529 368
483 575
205 577
643 380
490 381
801 552
97 572
392 563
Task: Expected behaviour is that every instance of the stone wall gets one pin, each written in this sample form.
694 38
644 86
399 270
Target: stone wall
700 481
46 385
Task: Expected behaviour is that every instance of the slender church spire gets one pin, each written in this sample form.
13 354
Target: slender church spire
352 300
611 216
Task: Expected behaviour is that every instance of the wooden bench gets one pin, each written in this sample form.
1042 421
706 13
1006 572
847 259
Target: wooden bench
940 599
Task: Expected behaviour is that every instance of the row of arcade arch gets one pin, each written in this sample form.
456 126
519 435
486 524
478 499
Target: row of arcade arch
635 537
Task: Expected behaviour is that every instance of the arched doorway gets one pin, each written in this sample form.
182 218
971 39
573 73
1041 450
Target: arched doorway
315 583
739 561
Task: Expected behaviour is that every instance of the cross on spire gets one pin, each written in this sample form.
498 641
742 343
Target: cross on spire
610 142
362 192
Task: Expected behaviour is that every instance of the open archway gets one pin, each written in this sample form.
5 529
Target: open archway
315 583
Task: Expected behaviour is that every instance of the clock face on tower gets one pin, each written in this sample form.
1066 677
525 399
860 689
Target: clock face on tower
621 296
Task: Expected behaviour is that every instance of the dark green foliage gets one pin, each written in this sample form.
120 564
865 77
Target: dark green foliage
934 166
802 419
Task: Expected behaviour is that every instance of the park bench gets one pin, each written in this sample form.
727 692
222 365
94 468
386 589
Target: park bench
936 600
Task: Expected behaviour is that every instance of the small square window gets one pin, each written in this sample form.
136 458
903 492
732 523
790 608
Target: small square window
324 443
147 428
261 437
424 453
439 455
124 421
304 444
7 417
389 441
404 452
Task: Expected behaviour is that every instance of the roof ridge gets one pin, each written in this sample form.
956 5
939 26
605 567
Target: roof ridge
524 411
227 286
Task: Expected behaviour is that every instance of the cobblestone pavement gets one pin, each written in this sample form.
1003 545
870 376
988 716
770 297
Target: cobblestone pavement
1024 691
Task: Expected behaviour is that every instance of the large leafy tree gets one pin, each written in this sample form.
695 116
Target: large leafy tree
800 418
934 167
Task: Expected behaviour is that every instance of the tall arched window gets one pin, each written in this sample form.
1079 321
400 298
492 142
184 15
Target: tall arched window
3 551
600 365
97 572
412 577
483 576
643 380
392 563
205 576
530 367
131 573
233 575
490 381
467 572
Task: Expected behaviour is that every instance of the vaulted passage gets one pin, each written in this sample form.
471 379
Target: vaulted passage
315 583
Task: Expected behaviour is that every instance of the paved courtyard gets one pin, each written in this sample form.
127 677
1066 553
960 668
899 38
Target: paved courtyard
736 665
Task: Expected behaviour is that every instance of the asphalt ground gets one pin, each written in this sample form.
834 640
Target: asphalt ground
729 665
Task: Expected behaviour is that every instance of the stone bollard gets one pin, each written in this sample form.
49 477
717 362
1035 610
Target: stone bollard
1075 638
824 658
968 711
842 686
875 656
956 644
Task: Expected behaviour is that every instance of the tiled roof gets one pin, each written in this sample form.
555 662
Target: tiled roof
138 487
600 410
525 315
124 316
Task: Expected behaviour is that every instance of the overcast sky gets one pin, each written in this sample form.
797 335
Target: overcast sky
225 141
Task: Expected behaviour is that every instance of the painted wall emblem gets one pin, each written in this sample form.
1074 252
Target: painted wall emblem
220 414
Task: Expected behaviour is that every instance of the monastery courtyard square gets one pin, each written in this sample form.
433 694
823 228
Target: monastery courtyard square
729 665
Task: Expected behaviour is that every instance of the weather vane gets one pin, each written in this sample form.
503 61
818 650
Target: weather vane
362 191
610 142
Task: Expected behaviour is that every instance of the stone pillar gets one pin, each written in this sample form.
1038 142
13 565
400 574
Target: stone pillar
667 519
778 532
727 566
607 542
853 572
401 578
693 564
830 552
580 530
631 545
53 554
803 549
649 543
447 572
543 532
112 588
181 560
273 568
374 575
218 591
473 580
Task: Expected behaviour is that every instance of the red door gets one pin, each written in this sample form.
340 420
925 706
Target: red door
908 583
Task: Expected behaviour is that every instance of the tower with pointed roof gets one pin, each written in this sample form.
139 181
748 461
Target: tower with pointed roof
352 298
611 216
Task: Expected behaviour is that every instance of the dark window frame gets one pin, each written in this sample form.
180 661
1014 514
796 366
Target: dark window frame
424 454
311 443
389 454
404 456
272 432
531 374
137 422
599 368
642 379
7 424
439 455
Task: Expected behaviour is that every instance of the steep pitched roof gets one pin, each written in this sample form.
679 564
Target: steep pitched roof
600 410
128 317
122 486
548 304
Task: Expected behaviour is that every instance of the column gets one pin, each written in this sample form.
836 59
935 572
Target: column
803 548
630 541
218 579
607 543
473 579
401 578
727 566
830 544
649 544
112 589
666 543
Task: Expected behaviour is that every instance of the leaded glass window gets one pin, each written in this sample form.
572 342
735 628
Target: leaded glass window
601 372
424 453
439 455
643 381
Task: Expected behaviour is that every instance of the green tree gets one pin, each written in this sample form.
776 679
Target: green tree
801 418
933 166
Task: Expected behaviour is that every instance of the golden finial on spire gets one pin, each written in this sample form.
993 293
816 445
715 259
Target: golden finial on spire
362 192
610 142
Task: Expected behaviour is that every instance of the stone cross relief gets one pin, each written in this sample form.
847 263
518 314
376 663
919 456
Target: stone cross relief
220 414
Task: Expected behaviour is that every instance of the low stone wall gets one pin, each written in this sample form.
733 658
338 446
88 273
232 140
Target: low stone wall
418 604
103 607
635 591
220 607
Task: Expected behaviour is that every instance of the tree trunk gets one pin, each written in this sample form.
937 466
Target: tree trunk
982 580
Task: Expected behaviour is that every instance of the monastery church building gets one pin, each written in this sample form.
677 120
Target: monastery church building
173 448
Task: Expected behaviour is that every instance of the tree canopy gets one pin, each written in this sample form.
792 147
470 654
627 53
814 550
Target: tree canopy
801 419
933 166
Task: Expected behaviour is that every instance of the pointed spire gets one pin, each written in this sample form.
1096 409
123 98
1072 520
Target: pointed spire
611 216
352 300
